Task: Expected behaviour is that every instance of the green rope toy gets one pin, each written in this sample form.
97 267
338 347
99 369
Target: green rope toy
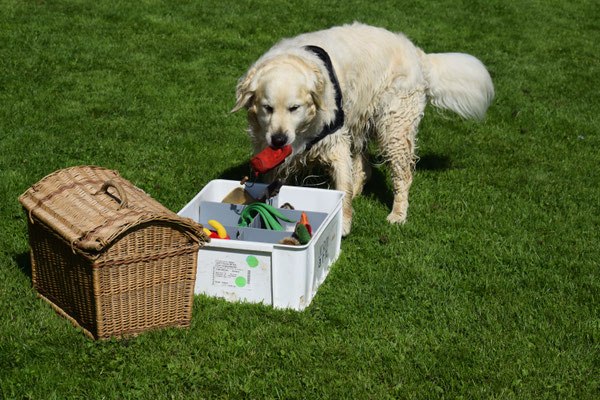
269 215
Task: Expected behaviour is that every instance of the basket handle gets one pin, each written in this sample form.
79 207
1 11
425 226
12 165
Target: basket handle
120 191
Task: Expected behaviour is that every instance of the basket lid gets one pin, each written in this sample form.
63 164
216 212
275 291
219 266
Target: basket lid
90 206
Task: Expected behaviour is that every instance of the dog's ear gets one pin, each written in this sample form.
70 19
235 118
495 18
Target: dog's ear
245 90
317 89
317 99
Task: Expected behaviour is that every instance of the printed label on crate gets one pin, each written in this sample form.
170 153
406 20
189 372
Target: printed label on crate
235 276
228 273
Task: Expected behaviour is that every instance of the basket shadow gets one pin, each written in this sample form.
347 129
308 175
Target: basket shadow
23 261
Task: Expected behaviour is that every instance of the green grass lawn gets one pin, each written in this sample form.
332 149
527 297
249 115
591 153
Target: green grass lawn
491 289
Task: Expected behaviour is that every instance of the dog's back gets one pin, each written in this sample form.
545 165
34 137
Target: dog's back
367 57
362 55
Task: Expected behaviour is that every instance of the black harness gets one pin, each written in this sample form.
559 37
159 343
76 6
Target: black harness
338 121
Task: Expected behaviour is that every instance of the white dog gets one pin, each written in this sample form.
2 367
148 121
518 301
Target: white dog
327 93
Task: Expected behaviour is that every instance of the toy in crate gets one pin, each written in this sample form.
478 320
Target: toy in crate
107 256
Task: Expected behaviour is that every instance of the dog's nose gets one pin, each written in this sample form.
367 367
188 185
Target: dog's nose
279 140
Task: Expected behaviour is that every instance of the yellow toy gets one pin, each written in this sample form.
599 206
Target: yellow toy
220 232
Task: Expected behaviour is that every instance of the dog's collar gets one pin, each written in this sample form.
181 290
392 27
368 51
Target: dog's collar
338 121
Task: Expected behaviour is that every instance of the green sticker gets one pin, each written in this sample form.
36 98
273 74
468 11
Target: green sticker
240 281
252 261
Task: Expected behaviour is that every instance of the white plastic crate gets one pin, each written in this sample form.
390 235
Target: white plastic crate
252 266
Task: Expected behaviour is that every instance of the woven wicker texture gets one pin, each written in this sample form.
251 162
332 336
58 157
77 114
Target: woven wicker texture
72 203
113 263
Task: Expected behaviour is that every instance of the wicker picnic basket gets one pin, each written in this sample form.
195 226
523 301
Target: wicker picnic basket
107 256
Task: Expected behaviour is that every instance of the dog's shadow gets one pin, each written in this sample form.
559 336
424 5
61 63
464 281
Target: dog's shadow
237 172
379 186
434 162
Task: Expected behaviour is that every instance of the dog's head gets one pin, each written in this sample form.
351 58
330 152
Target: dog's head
282 97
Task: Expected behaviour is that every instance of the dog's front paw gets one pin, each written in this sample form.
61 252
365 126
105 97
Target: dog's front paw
394 218
346 223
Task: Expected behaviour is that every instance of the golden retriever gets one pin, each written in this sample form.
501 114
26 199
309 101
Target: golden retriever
328 93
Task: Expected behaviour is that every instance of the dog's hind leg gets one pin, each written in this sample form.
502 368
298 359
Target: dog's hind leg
396 133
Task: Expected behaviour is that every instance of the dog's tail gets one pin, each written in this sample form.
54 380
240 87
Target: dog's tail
458 82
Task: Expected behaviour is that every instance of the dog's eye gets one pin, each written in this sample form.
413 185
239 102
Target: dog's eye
294 108
268 108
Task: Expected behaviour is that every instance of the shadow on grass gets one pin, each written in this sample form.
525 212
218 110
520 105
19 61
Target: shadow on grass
237 172
434 162
377 186
23 261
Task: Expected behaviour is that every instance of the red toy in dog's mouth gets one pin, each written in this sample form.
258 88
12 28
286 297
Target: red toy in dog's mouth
269 158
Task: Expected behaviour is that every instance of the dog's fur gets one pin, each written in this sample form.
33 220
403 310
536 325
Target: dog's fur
385 81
